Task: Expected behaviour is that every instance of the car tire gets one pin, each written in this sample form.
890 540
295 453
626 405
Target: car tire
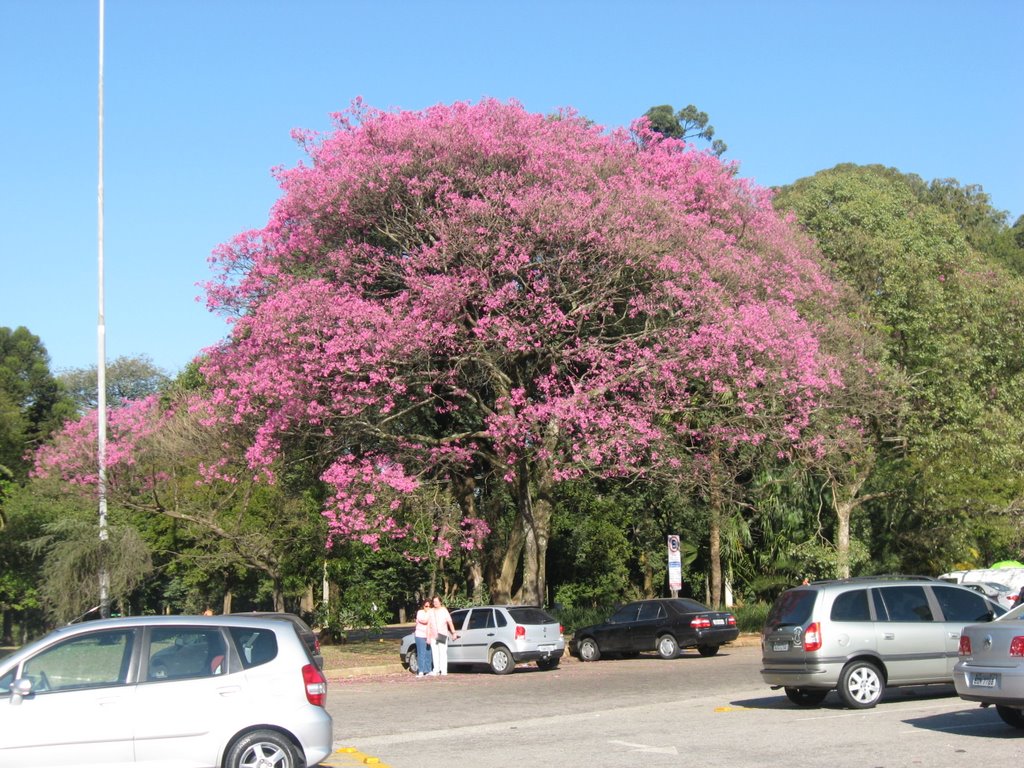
668 648
707 650
263 748
588 649
861 685
502 662
806 697
1011 716
412 659
546 664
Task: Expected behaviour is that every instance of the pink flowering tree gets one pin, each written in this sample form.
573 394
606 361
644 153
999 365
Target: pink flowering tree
474 296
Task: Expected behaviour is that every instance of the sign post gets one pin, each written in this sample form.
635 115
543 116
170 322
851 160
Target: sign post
675 566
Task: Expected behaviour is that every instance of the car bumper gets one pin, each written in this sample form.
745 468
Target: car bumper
524 656
990 685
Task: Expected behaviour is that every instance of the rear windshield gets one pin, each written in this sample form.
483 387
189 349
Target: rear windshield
524 615
792 608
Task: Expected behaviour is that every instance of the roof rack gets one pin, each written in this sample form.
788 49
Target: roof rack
877 577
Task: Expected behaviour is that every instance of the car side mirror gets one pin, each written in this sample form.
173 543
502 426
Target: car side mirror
20 688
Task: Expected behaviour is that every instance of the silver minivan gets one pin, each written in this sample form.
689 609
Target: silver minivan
499 637
859 636
202 691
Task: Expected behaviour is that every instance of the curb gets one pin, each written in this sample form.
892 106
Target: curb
746 640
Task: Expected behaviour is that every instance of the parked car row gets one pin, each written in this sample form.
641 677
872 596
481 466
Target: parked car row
501 636
207 691
862 636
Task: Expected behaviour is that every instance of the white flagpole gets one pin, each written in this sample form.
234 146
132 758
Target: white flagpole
101 363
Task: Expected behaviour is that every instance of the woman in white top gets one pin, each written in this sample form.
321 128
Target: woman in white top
445 632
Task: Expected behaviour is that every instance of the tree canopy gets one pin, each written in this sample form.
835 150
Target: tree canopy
474 290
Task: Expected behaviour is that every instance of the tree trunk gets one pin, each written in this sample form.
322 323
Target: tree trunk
844 501
715 531
501 589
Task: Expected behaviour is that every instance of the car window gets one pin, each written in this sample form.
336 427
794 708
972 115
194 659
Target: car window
527 615
180 652
501 620
906 603
625 614
962 606
98 659
651 611
256 646
481 618
851 606
459 618
792 608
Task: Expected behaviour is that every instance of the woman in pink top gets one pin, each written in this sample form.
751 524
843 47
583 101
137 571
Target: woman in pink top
424 630
445 631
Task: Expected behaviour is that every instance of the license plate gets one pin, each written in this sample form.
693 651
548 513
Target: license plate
780 646
718 621
985 680
546 647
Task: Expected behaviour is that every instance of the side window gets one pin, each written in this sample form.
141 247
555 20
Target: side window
651 611
851 606
181 652
95 660
962 606
481 618
458 619
501 620
625 614
906 603
255 646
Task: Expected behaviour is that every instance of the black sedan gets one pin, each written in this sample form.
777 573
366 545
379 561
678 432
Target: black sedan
664 625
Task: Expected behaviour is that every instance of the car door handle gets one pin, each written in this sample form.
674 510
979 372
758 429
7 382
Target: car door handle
227 690
889 635
954 635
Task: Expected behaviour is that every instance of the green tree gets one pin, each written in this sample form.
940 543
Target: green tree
128 378
688 123
32 405
952 319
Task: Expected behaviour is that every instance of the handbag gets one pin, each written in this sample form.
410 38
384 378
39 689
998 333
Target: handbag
442 639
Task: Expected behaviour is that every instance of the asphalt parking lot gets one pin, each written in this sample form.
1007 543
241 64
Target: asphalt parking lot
701 711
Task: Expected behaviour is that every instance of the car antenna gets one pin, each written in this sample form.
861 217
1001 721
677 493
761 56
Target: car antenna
91 610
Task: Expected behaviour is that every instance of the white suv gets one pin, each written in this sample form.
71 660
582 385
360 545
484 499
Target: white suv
210 691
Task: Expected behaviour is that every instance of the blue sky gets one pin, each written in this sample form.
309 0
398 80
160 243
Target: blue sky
201 96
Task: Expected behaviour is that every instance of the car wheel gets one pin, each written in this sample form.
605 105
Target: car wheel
502 662
668 648
1011 716
707 650
861 685
262 749
589 650
806 697
547 664
413 661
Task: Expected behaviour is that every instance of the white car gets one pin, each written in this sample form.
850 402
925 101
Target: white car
202 691
991 666
499 637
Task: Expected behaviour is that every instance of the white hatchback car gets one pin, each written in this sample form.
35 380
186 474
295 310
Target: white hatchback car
202 691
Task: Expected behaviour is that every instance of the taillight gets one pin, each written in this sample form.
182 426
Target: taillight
812 637
965 646
520 632
731 621
316 685
1017 646
700 622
